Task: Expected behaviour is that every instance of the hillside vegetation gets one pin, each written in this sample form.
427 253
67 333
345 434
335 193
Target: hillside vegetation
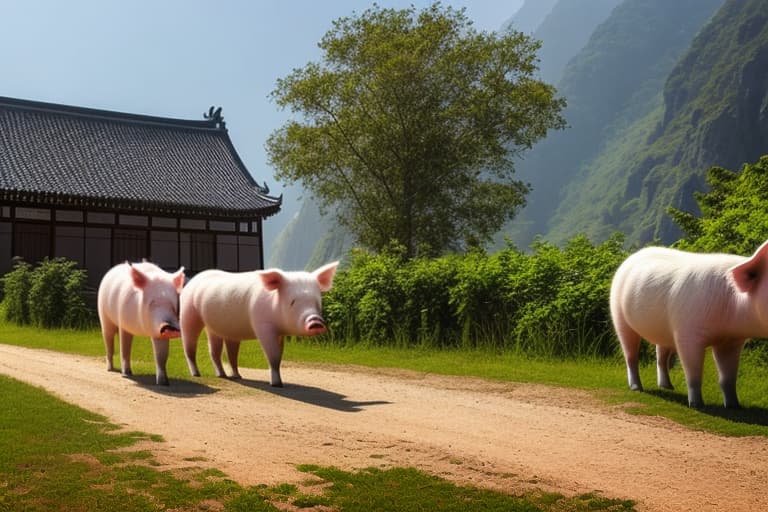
611 86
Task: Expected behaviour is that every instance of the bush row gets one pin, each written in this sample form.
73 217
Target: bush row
552 302
49 295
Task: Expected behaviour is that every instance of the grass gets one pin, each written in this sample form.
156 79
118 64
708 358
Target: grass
606 378
55 456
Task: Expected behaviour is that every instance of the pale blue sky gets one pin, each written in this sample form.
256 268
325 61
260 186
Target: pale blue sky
176 58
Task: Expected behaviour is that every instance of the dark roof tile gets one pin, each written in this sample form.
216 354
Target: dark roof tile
59 154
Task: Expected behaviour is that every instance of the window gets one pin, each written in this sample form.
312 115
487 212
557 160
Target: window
164 249
197 251
249 253
101 218
70 243
5 247
32 241
129 245
226 252
97 254
69 216
193 224
164 222
134 220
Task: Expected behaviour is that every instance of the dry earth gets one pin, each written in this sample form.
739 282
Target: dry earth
504 436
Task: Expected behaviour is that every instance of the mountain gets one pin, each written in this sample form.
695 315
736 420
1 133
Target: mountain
529 16
614 81
565 31
713 112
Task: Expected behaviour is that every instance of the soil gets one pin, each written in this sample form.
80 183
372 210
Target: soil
505 436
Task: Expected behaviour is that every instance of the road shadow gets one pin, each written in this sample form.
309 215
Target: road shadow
757 416
178 388
311 395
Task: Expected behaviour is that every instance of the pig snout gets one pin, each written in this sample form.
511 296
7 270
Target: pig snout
168 331
315 325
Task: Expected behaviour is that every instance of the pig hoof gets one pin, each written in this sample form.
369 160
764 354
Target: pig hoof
163 381
636 387
236 376
277 384
127 373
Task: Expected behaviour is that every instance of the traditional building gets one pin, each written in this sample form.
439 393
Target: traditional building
101 187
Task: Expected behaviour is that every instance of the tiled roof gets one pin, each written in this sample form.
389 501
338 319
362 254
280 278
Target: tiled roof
62 155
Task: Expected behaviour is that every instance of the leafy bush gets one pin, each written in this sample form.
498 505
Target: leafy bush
16 284
733 216
50 295
552 302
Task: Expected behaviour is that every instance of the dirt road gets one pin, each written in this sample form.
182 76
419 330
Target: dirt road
503 436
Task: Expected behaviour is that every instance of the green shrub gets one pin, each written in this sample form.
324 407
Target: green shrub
552 302
50 295
16 284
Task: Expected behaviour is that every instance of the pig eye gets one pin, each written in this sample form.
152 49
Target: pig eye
293 302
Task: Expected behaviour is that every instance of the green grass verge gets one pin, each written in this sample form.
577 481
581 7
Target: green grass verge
55 456
606 378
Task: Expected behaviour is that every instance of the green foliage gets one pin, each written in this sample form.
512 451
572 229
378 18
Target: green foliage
552 303
16 284
50 295
411 125
733 215
409 489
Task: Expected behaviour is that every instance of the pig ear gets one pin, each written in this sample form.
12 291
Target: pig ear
747 274
138 277
325 275
178 280
272 279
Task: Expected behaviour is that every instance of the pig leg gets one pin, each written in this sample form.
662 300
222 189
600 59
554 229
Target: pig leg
160 347
663 358
215 344
727 360
108 331
233 350
191 326
272 344
630 345
126 340
692 360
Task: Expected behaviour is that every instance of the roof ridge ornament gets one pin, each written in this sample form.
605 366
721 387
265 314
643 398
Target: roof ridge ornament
215 116
263 189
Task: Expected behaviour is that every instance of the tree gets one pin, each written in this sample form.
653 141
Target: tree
733 215
410 125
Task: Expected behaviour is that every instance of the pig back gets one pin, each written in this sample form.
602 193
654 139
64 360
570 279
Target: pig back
659 291
118 301
224 301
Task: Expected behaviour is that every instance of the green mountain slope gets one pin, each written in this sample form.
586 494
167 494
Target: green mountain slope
714 112
566 30
612 83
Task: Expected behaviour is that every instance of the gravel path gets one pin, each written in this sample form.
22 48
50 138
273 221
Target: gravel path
498 435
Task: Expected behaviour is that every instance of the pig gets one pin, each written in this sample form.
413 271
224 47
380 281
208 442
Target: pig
263 304
140 299
684 302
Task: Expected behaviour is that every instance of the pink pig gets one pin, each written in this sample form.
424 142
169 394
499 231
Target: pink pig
267 305
139 299
684 302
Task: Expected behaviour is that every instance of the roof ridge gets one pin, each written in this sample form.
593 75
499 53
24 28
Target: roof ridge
214 124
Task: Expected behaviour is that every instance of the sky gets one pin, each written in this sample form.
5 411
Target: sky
176 58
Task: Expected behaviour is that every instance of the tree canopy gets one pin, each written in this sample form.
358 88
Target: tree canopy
733 213
409 127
